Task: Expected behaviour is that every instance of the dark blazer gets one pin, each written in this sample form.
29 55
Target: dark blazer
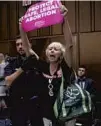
89 84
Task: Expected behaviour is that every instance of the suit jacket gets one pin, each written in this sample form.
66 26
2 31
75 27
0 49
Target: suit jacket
87 84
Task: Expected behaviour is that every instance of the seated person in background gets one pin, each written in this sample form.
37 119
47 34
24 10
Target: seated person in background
2 82
87 84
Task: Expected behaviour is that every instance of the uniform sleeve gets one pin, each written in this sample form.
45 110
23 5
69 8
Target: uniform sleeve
8 70
40 65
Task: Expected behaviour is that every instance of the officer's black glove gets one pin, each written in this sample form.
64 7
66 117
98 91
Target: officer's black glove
29 63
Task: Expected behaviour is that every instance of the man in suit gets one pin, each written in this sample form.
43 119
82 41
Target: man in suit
87 84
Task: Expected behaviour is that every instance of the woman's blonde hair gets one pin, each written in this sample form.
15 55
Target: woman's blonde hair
62 48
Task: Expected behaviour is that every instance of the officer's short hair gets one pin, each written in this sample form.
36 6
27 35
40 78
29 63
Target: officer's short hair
83 66
18 37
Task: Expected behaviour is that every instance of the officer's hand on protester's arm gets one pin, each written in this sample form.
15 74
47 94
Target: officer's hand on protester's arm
9 79
27 65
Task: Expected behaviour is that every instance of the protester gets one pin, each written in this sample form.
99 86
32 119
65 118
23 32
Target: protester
50 73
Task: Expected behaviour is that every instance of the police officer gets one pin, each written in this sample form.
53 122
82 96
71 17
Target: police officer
23 98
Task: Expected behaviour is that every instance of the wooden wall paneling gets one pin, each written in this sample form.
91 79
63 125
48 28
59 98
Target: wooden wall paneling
12 48
21 9
75 61
4 47
33 33
92 16
90 48
71 14
94 71
57 29
38 45
45 43
76 42
97 15
85 17
77 29
17 17
57 39
1 21
13 19
4 22
44 31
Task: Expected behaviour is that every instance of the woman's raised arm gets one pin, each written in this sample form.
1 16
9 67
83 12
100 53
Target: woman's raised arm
67 36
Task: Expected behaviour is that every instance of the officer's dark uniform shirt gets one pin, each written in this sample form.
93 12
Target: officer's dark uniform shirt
22 89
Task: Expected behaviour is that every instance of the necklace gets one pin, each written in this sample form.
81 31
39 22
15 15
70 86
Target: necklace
50 87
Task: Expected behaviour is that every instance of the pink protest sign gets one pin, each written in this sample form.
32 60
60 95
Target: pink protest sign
42 14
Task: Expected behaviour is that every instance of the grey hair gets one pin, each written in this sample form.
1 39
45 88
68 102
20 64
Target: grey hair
62 48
